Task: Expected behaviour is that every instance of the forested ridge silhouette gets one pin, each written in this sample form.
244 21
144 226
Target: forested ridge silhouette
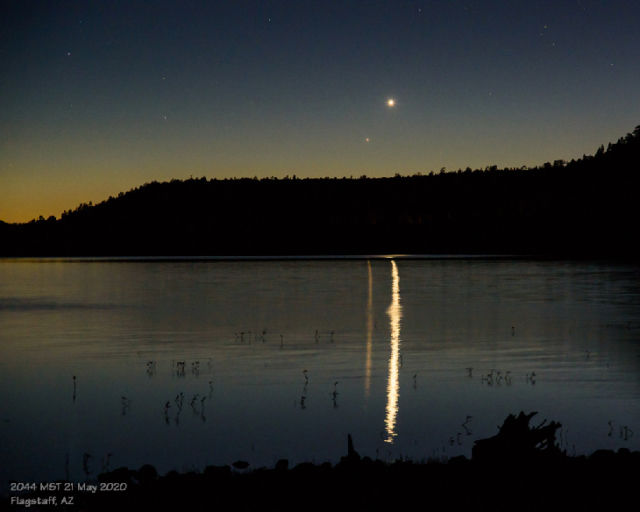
585 207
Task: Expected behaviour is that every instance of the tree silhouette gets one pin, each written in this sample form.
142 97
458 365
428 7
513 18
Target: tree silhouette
584 207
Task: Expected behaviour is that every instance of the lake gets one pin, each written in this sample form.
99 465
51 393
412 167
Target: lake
181 364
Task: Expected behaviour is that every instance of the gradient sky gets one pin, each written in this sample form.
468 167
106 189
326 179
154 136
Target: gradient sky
99 97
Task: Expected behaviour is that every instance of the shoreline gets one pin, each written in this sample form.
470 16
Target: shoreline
547 480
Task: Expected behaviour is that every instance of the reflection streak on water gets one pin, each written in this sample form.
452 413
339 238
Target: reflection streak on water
367 377
393 386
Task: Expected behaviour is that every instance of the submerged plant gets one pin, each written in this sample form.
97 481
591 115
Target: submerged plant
465 425
85 464
125 402
334 395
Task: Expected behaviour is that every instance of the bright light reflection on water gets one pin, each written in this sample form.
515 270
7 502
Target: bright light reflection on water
393 382
367 378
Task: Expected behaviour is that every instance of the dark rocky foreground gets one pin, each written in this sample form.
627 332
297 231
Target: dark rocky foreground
603 481
521 468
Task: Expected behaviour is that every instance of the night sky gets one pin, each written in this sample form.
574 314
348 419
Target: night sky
99 97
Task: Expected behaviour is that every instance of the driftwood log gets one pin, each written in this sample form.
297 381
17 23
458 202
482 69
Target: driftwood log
517 441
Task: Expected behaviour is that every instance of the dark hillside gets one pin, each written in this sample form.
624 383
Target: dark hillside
586 207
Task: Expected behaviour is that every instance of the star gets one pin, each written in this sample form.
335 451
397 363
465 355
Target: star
391 102
367 139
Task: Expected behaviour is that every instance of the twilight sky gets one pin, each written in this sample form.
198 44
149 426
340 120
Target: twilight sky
97 97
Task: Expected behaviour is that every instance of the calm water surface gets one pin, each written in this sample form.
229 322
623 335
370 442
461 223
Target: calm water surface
183 364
